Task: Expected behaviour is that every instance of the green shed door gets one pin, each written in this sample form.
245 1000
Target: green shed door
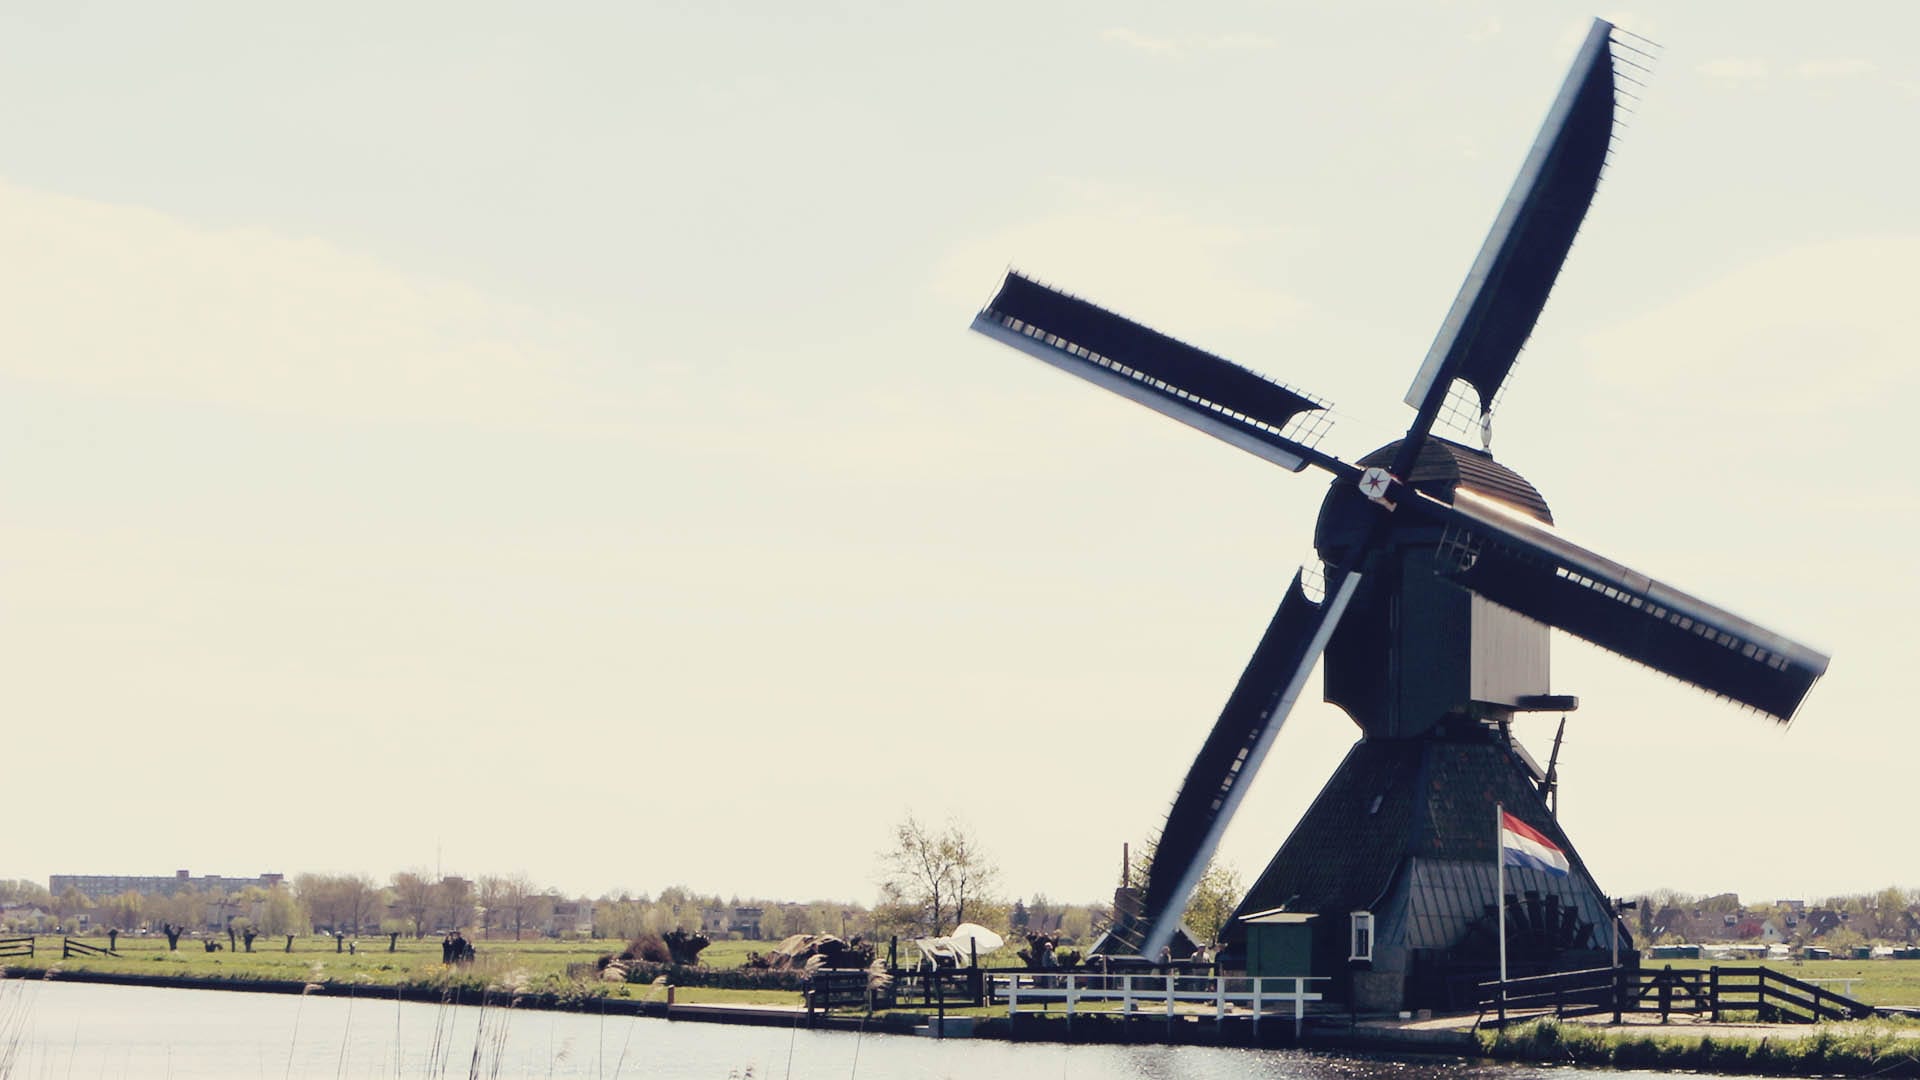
1280 949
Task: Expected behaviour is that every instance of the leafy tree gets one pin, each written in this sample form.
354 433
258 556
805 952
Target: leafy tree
123 912
280 913
773 922
22 891
70 903
1214 900
1076 924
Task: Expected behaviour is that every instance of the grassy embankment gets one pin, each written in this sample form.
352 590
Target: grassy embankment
538 966
1857 1048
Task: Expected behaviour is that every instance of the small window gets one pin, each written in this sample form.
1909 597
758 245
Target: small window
1362 948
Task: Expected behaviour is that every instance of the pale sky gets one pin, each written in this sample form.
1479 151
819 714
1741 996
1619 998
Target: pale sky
548 439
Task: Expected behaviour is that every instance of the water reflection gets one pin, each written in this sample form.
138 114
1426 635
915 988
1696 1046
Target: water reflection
63 1029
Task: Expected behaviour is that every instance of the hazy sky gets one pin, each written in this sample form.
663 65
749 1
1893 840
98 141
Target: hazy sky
547 438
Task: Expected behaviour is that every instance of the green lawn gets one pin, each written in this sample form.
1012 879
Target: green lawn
533 963
500 961
1879 982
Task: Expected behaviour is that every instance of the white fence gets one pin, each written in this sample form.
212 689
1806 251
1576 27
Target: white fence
1220 996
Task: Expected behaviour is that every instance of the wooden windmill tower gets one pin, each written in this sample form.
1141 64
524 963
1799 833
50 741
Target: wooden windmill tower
1442 575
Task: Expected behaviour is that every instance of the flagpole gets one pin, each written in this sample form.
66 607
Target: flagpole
1500 887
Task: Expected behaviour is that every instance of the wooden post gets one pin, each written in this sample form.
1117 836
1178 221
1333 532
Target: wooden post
1013 998
1299 1006
973 969
1666 993
1257 980
1619 991
1713 992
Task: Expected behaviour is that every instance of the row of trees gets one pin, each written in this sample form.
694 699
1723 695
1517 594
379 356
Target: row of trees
414 902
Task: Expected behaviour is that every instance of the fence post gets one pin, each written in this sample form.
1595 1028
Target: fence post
1299 1005
1013 997
1257 980
1219 998
1713 992
1126 996
1619 991
1169 978
1666 993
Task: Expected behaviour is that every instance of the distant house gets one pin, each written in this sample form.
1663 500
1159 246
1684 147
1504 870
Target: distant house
571 917
717 922
746 922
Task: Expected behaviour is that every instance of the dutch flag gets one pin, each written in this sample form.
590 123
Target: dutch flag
1522 845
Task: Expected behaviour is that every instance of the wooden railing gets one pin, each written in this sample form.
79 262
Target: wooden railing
1712 991
70 948
845 988
1160 995
1772 993
17 946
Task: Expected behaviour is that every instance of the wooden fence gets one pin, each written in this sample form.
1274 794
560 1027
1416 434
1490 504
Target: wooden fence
69 948
17 946
1711 992
1159 996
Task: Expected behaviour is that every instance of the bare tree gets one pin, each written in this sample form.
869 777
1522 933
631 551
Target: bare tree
934 880
413 898
492 896
508 901
359 899
453 902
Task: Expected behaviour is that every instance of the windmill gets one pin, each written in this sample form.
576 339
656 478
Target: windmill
1442 574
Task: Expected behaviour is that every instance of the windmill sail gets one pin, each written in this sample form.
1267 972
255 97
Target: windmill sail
1508 285
1217 781
1166 375
1525 566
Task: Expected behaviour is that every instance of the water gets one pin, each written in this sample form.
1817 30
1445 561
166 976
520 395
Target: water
66 1030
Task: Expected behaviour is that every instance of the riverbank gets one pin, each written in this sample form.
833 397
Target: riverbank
1850 1048
1858 1048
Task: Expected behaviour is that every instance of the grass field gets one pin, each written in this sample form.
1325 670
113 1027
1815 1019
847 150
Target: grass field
1876 982
313 959
536 964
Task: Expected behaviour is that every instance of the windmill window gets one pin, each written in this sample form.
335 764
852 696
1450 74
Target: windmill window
1362 937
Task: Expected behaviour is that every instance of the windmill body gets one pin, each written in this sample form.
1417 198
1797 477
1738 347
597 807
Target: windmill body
1432 674
1443 575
